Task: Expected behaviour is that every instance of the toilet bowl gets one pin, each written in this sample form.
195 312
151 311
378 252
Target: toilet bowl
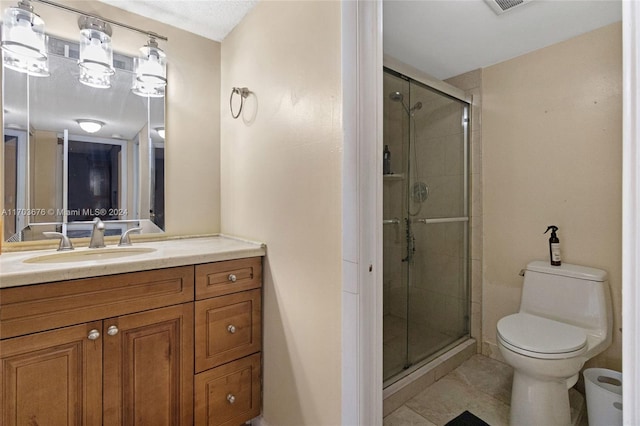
565 318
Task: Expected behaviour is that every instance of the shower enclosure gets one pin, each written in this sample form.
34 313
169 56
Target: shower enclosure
426 225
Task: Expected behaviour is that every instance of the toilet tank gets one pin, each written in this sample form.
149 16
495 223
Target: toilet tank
573 294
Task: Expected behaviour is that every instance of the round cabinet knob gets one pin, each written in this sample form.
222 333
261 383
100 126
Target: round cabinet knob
112 330
231 328
232 278
231 398
93 334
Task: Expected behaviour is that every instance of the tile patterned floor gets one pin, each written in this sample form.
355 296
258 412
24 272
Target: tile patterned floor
480 385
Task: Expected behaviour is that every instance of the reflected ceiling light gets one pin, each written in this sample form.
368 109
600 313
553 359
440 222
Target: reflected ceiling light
24 40
96 53
160 131
90 126
151 65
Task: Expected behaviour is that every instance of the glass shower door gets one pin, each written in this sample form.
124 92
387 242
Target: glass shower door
438 310
395 272
425 228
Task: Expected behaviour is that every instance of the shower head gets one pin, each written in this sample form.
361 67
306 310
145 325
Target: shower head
396 96
399 97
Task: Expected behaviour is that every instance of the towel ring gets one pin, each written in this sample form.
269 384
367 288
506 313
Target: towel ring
243 92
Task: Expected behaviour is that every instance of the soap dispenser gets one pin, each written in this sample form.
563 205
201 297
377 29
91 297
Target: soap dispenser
554 246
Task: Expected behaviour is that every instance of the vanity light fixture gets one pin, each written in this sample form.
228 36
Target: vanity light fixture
96 52
24 41
160 131
90 126
151 65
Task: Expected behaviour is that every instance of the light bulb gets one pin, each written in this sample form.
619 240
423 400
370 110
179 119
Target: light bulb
90 126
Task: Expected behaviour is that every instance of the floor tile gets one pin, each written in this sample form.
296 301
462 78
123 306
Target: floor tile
480 385
450 396
405 416
487 375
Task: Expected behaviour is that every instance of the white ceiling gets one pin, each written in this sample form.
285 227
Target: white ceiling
213 19
446 38
441 37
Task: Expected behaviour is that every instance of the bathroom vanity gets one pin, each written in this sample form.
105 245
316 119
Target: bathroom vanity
170 335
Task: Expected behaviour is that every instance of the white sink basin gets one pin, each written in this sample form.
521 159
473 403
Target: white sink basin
89 254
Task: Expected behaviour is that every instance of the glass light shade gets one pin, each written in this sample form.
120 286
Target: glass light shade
145 90
23 33
90 126
24 42
25 65
99 81
96 52
151 65
160 131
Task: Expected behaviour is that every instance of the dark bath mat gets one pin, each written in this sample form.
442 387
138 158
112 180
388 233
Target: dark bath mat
467 419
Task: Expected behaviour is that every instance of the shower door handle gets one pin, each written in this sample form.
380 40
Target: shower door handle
394 221
441 220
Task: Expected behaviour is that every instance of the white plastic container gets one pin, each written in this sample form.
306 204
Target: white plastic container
604 396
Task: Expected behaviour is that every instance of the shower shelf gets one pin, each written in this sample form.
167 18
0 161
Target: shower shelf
393 176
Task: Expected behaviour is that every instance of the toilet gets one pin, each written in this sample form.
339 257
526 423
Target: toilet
565 318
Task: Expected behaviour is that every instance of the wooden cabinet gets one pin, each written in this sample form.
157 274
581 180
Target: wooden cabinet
125 369
53 377
230 394
148 368
228 330
135 348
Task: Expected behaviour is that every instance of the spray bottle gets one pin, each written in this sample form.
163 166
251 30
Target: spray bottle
554 246
386 158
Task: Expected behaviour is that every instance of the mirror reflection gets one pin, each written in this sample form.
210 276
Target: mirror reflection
75 151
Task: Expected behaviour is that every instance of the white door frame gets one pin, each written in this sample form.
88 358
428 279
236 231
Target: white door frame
362 213
630 212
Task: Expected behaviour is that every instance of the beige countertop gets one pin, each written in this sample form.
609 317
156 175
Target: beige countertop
14 271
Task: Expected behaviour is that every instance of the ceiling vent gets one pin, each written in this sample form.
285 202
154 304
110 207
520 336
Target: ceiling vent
502 6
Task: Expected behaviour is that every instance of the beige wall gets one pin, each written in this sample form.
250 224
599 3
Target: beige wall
45 171
552 138
192 187
281 183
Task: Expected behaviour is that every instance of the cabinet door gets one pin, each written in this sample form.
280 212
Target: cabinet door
53 377
148 368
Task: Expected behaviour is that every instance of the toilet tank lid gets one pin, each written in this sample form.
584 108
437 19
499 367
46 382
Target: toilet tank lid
568 270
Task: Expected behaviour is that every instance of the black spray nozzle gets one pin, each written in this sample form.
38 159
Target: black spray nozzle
553 229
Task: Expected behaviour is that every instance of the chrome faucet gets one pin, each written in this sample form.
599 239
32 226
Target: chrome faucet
124 239
65 242
97 234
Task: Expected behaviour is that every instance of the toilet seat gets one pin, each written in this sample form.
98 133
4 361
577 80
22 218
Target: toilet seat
539 337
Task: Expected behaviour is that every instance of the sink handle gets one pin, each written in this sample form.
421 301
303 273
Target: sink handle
124 239
65 242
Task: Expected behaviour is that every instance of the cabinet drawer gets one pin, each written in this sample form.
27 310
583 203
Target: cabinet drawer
229 394
40 307
219 278
227 327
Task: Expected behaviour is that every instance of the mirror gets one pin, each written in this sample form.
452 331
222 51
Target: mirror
58 176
